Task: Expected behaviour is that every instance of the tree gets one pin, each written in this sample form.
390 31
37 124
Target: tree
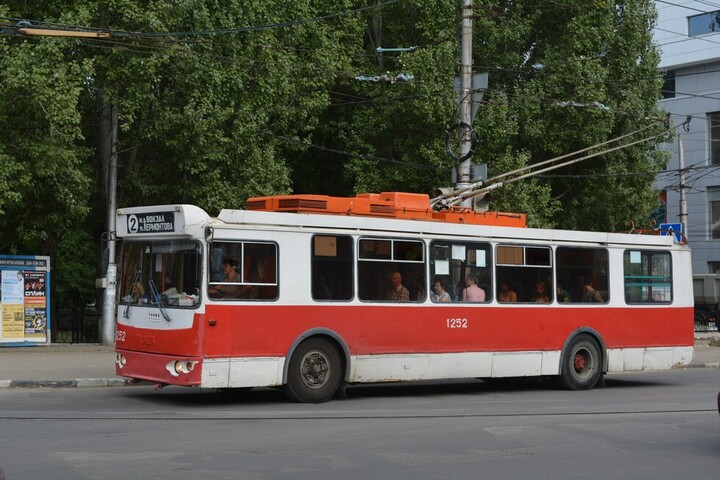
46 186
573 75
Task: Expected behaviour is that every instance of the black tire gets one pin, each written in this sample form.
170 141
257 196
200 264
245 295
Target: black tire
581 367
314 372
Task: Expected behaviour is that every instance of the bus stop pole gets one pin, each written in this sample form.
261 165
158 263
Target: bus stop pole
108 319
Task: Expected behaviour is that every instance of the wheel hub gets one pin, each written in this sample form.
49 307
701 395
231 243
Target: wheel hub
580 362
314 370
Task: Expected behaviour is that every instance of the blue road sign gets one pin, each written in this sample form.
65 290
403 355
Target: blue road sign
674 229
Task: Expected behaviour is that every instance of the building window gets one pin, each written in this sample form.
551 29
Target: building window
714 138
668 88
714 200
713 267
704 23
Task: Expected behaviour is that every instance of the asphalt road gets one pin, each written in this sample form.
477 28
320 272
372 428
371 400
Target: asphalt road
654 425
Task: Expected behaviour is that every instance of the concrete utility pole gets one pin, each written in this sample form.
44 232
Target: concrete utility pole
683 203
108 319
463 179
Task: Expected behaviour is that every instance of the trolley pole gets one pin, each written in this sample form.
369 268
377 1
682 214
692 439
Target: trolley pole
108 319
463 178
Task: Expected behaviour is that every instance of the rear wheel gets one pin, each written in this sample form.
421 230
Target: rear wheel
314 372
581 365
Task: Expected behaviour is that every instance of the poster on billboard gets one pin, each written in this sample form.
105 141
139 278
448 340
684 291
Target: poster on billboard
24 300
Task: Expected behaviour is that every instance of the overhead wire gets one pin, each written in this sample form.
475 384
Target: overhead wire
197 33
458 196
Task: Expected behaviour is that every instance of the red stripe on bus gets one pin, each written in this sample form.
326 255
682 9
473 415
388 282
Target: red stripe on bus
270 330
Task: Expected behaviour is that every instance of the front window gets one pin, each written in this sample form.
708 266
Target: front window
163 273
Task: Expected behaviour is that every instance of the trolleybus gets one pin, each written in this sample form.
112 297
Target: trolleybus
311 293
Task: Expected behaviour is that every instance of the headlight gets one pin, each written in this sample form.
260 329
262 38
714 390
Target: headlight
120 360
180 367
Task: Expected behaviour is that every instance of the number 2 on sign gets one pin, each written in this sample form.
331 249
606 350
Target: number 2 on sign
456 323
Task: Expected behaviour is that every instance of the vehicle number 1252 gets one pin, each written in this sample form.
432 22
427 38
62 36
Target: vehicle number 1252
456 323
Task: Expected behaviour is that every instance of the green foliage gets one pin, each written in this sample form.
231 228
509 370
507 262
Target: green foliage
74 268
44 161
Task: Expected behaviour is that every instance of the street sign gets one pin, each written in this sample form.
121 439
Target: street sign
674 229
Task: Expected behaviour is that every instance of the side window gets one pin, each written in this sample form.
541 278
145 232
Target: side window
581 275
243 270
460 270
524 274
648 277
332 267
391 270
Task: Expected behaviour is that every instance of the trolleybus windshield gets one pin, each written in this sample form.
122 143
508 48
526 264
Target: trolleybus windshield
166 273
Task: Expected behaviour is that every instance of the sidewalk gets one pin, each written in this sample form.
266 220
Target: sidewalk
58 365
90 365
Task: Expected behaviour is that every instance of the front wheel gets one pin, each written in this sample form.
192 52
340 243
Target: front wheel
314 372
581 367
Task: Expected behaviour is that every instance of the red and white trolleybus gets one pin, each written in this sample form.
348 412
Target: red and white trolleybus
312 292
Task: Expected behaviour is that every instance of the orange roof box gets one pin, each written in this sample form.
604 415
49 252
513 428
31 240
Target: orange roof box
409 206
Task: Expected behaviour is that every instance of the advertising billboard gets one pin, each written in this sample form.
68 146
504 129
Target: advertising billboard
24 300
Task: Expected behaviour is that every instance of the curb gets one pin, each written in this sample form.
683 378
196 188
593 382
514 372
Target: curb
704 365
70 383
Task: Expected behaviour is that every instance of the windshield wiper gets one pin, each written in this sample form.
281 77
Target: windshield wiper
158 299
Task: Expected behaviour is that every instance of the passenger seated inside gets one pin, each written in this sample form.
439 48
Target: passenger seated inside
231 275
562 295
439 294
506 294
590 294
137 294
397 292
472 293
541 295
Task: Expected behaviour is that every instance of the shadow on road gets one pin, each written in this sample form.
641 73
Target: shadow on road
192 396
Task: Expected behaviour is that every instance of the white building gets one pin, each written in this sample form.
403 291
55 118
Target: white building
688 33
